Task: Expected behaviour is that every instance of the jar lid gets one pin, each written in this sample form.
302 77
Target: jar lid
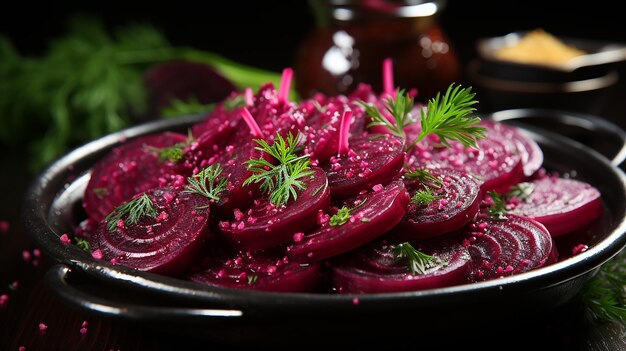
347 10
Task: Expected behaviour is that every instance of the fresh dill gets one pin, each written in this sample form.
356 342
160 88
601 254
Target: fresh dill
449 116
521 191
605 295
341 217
424 176
252 279
280 181
398 108
425 196
207 182
132 211
174 153
417 261
498 209
101 192
83 244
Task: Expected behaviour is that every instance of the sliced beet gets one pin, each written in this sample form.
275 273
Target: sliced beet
373 159
562 205
265 225
497 161
237 195
165 243
503 247
183 80
530 153
372 215
129 169
459 201
375 269
260 270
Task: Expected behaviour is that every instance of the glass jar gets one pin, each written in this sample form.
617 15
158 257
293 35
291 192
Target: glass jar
353 37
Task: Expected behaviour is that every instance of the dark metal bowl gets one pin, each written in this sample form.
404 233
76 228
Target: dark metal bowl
52 207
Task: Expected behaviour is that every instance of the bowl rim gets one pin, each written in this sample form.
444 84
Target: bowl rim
605 80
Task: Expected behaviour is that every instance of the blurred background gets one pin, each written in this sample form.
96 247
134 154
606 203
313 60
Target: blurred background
264 37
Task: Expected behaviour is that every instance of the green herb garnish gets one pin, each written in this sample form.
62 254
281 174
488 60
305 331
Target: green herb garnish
206 182
425 196
417 261
174 153
521 191
605 295
341 217
424 176
83 244
100 192
498 210
280 181
399 108
234 102
132 210
449 117
252 279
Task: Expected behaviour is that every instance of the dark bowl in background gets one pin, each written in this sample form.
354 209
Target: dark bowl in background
495 92
581 84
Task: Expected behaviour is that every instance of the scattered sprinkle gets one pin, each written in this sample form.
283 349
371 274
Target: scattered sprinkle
26 255
83 330
65 239
97 254
355 301
43 327
36 252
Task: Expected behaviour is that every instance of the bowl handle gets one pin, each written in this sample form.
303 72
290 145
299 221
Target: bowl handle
593 126
59 279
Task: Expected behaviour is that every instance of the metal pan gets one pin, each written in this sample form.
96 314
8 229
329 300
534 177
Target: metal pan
52 205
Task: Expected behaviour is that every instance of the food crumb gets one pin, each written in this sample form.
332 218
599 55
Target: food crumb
355 301
97 254
14 285
65 239
22 348
43 327
26 255
4 298
83 330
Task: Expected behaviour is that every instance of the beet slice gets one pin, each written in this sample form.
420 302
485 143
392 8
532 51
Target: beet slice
259 270
165 243
460 198
497 161
530 153
373 159
129 169
503 247
373 214
264 225
562 205
375 269
183 80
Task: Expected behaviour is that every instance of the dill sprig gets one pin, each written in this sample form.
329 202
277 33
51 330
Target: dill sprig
83 244
498 210
424 176
521 191
399 108
206 182
341 217
450 118
174 153
605 295
132 210
283 180
417 261
425 196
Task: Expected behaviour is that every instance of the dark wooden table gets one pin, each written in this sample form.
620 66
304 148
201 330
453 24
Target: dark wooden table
32 304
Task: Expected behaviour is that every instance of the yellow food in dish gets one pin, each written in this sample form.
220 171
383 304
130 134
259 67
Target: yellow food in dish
540 47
